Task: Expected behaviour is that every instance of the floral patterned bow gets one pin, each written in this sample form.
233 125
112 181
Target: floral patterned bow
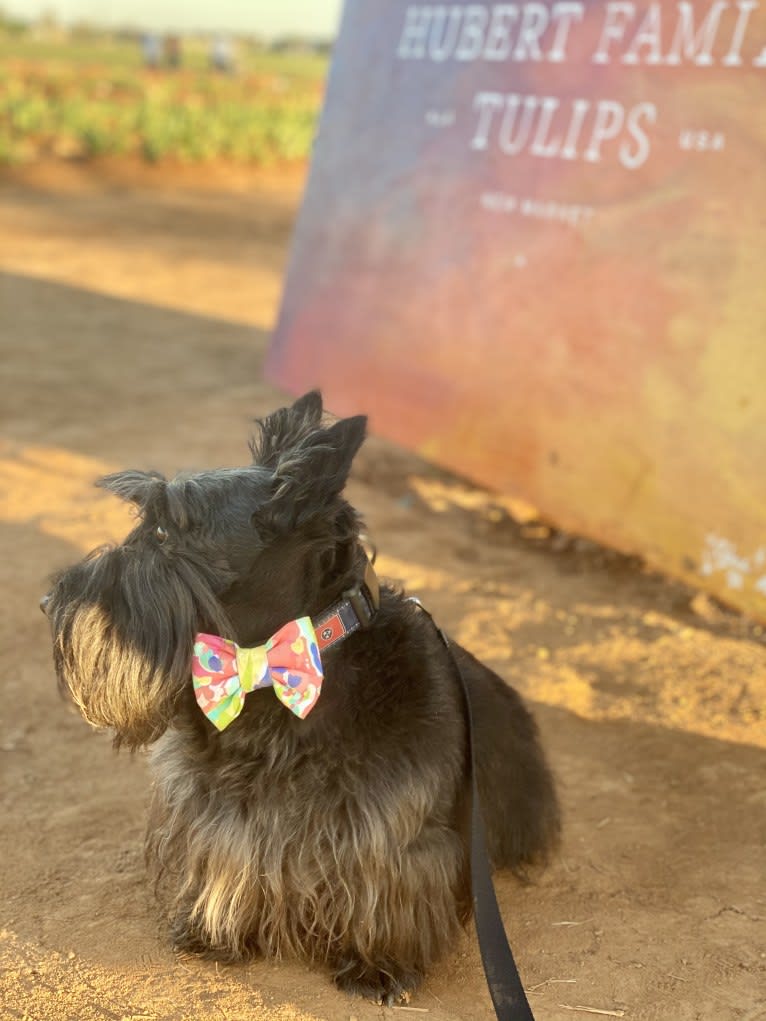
224 672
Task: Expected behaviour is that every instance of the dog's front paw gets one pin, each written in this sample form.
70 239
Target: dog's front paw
386 984
189 941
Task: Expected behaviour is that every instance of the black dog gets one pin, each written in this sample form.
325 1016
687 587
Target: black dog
335 831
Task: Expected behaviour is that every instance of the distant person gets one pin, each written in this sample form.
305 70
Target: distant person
150 49
172 52
222 54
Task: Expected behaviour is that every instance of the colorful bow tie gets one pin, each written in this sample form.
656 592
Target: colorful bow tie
224 672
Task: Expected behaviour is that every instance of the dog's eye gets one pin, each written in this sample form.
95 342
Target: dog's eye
161 533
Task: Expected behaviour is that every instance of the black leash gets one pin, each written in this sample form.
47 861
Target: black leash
500 969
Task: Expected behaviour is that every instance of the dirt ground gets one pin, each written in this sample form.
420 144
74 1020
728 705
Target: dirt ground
133 321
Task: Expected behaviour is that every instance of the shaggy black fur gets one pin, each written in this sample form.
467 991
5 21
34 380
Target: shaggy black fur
340 837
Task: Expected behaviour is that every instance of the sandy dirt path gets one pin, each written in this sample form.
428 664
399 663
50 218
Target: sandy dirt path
133 322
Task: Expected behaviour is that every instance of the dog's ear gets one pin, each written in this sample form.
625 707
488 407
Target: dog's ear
319 465
132 485
285 428
311 474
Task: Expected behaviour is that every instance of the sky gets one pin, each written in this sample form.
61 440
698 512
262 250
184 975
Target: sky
317 18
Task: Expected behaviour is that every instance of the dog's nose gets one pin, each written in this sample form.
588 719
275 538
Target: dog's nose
44 603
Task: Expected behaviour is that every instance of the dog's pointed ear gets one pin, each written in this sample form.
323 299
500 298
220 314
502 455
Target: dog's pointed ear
330 455
131 485
309 406
313 473
284 429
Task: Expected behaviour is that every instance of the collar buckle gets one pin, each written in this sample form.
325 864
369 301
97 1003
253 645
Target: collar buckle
354 611
359 604
364 597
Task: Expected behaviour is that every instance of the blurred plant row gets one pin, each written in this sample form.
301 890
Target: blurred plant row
72 110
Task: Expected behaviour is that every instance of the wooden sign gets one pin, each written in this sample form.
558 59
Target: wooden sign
533 249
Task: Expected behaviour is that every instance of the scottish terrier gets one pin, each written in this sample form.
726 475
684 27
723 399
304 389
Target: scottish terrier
324 816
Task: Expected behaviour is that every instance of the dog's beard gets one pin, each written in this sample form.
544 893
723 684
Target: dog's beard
124 630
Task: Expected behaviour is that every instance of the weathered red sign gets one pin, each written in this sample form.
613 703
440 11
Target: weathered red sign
532 248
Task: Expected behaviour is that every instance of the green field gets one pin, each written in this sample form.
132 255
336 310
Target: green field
84 99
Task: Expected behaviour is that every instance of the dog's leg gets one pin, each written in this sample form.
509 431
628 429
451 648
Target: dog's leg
410 918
